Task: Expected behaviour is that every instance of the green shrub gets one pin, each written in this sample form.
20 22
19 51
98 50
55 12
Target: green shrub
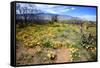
56 25
48 43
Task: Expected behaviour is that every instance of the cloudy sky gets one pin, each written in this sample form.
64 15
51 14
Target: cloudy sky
88 13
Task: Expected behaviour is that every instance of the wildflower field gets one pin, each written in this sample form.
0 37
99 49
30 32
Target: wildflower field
55 43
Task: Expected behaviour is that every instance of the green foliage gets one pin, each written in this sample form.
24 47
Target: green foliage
76 56
88 39
56 25
56 36
47 43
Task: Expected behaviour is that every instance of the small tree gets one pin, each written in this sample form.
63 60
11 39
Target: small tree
54 18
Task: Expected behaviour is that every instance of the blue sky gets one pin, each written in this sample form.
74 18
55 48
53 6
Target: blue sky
88 13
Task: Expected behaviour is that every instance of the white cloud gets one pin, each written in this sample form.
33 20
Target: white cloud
55 9
72 8
51 6
44 6
50 11
88 17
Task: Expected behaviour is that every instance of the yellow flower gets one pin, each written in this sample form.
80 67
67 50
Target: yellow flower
49 55
38 43
50 34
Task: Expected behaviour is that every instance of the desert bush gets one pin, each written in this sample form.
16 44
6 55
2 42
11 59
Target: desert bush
47 43
56 25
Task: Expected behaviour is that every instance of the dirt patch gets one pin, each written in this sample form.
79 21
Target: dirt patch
39 55
63 55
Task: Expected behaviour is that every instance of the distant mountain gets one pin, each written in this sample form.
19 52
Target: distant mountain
45 17
60 17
